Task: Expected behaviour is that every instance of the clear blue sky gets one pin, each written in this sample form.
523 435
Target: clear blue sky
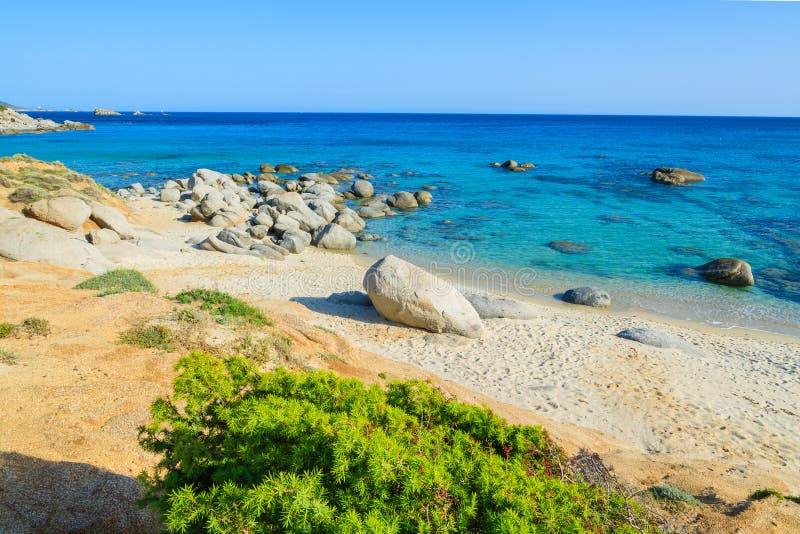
709 57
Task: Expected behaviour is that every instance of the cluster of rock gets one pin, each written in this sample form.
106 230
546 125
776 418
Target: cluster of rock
513 166
100 112
269 216
12 122
50 230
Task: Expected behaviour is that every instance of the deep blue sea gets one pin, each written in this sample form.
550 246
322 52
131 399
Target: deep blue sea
590 185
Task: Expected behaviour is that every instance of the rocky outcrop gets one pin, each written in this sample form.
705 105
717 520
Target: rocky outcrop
587 296
727 271
404 293
285 168
24 239
100 112
68 212
675 176
423 198
13 122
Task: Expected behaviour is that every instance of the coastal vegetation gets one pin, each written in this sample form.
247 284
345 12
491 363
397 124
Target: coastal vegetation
35 326
765 493
32 179
224 307
246 451
665 492
118 281
8 357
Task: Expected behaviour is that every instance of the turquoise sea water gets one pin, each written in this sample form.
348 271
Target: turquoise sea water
590 185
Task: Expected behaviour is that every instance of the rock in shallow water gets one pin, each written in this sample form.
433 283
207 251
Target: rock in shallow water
727 271
407 294
569 247
674 176
588 296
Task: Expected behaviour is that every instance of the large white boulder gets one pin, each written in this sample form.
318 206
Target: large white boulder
111 218
23 239
334 237
68 212
404 293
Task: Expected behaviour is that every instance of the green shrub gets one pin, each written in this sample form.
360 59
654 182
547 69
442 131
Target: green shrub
8 357
27 194
155 336
6 329
242 451
223 307
118 281
764 493
35 326
666 492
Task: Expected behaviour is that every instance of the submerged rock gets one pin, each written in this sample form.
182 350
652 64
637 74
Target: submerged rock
569 247
402 200
588 296
727 271
404 293
675 176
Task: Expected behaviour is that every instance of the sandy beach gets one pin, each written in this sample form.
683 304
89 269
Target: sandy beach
729 398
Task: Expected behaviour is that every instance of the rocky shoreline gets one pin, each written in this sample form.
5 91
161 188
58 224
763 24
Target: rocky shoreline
14 122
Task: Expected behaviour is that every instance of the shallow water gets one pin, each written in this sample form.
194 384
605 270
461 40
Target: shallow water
589 186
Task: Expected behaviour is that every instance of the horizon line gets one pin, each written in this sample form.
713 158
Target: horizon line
506 113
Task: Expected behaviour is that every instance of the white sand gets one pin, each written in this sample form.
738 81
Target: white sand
735 398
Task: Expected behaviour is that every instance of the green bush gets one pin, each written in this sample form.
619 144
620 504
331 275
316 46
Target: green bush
223 307
764 493
156 336
6 329
8 357
242 451
118 281
27 194
665 492
35 326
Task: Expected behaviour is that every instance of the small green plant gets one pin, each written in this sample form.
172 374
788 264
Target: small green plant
330 357
665 492
118 281
382 376
327 330
245 451
156 336
223 307
6 329
272 348
8 357
35 326
767 492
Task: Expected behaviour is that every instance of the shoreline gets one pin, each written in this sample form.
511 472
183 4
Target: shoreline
728 399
